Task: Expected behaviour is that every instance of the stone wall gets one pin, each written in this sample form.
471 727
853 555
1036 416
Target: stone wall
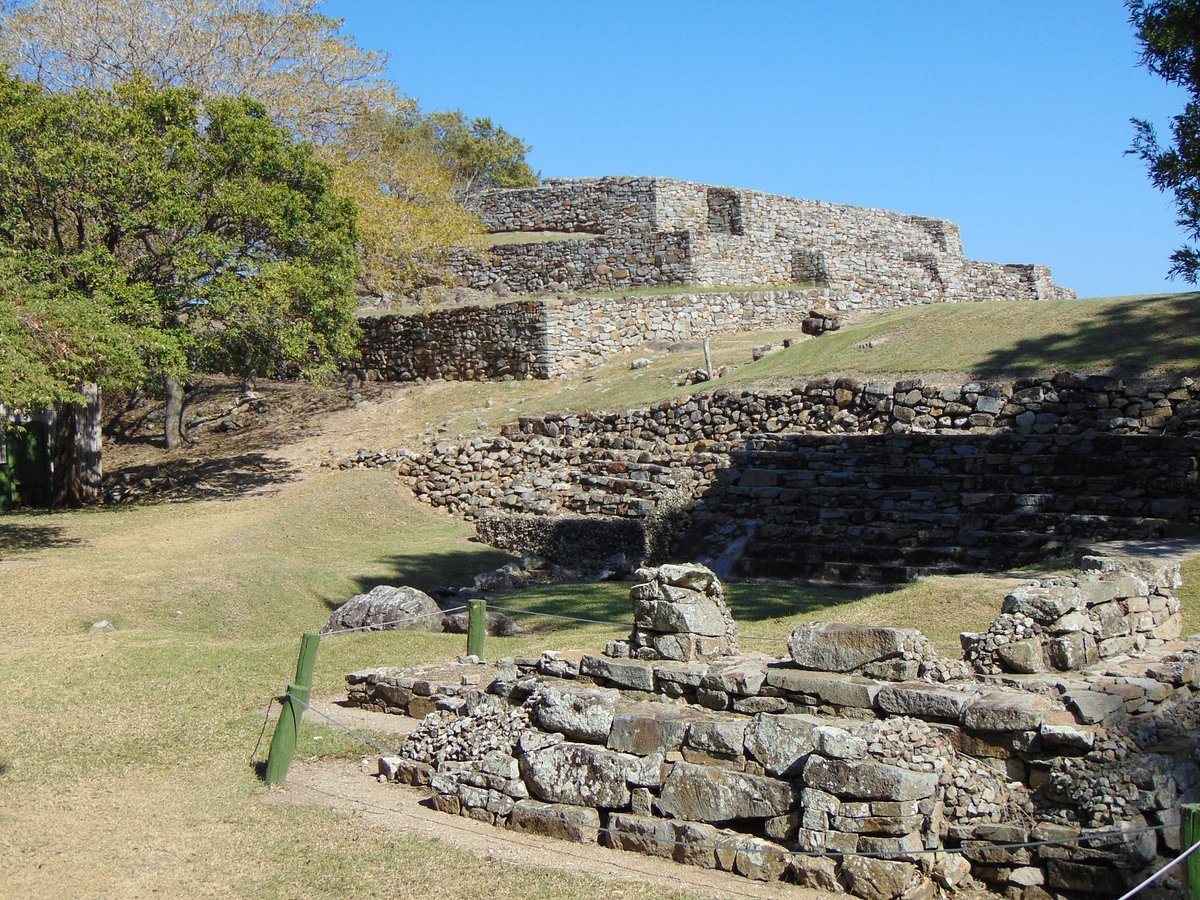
862 762
843 479
551 336
869 258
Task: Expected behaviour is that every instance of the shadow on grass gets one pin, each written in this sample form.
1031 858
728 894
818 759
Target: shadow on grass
223 478
431 572
1153 333
17 537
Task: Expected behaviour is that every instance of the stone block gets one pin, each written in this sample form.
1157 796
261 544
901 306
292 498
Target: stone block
1044 603
705 794
761 860
877 825
648 728
744 677
641 834
724 737
1025 657
1006 712
579 774
580 714
1065 875
693 615
835 690
1093 707
623 673
781 742
839 743
867 780
877 879
841 647
817 873
923 701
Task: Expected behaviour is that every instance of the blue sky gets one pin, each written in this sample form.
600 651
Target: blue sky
1009 118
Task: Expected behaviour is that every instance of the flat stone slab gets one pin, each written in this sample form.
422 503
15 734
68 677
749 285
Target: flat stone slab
580 824
839 647
1002 711
867 780
826 688
917 698
708 794
623 673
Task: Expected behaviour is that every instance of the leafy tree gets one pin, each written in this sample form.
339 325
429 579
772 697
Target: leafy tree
478 153
1169 32
320 84
201 231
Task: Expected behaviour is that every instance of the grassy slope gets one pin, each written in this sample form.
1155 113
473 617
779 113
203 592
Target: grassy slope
1156 335
123 755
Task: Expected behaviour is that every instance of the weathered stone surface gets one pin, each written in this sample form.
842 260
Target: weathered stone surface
580 714
725 737
1026 656
580 824
696 616
641 834
838 743
579 774
1092 707
1006 712
781 742
388 609
745 676
623 673
816 872
761 860
876 879
867 780
1067 737
923 701
1044 603
1066 875
839 647
647 728
835 690
705 794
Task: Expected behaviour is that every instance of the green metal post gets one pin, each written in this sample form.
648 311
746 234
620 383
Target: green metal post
1191 833
476 626
287 729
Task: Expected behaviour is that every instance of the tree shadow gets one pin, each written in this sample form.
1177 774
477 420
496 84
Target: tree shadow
432 572
1150 334
224 478
19 537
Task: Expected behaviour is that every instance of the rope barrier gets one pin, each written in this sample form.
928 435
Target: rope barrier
263 730
350 731
1153 878
376 626
526 612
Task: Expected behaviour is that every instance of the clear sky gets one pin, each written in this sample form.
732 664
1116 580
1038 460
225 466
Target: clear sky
1010 118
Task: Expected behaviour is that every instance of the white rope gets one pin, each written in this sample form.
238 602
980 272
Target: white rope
1153 878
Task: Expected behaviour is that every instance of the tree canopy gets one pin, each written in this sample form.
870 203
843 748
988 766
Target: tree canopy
404 168
199 233
1169 32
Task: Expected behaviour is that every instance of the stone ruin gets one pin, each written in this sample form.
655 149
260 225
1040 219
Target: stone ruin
863 762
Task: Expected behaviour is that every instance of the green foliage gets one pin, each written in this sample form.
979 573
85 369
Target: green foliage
1169 31
478 153
201 233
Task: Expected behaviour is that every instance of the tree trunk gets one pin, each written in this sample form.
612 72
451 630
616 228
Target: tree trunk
173 425
89 466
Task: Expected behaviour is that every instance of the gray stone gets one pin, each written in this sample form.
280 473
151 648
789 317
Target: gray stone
623 673
1067 737
815 872
580 714
725 737
1092 707
1025 656
781 742
761 860
647 728
835 690
696 615
923 701
839 743
867 780
745 676
706 794
641 834
877 879
387 608
839 647
580 824
1006 712
579 774
1044 603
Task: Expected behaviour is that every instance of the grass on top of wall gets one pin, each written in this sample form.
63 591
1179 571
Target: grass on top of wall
507 238
666 290
1146 336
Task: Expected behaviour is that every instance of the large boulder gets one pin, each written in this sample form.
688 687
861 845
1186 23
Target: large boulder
387 609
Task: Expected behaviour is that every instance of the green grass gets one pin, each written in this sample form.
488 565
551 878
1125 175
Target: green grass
1128 336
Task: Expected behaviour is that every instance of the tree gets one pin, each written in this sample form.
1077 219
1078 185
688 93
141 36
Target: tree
318 83
203 232
1169 32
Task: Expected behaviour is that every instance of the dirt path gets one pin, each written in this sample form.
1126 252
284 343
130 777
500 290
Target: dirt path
341 785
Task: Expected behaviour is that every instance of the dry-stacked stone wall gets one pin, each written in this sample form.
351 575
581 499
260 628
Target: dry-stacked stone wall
836 478
549 337
663 231
862 762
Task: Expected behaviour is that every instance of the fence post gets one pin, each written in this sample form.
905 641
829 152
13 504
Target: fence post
476 626
287 729
1190 821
